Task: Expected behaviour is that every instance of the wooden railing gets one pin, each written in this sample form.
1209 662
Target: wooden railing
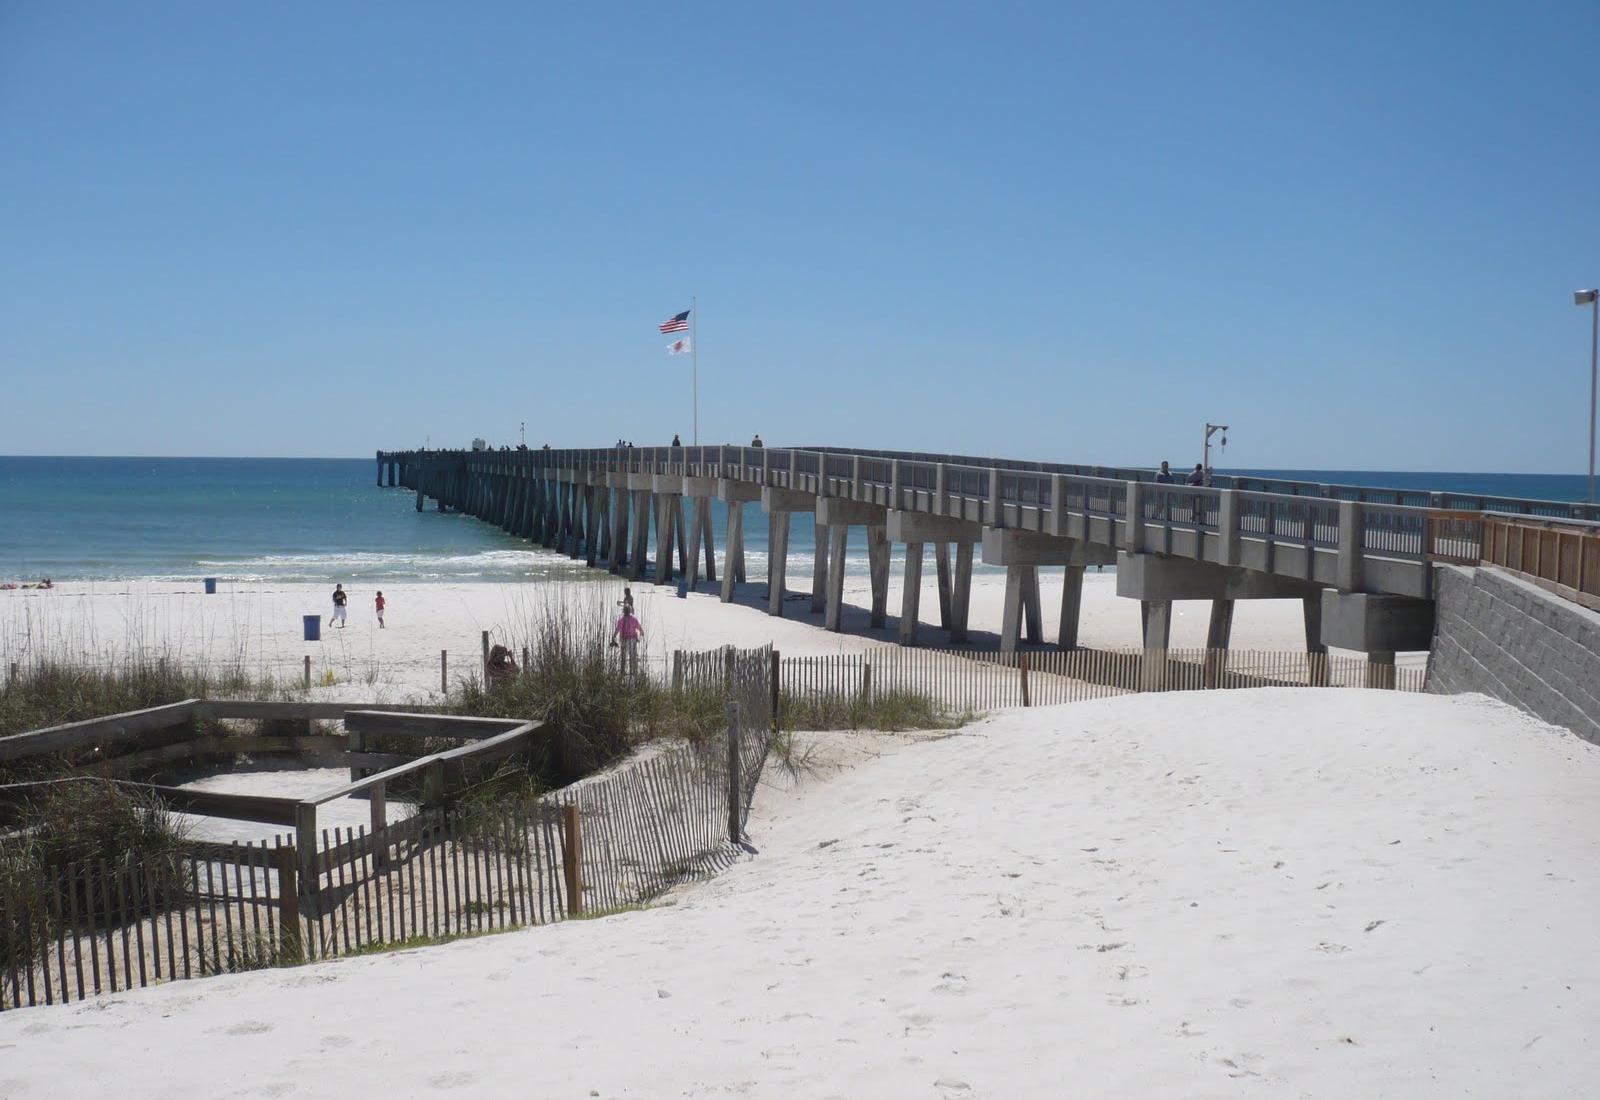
1562 556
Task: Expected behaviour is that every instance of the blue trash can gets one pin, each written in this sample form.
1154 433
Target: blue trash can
313 628
211 586
683 589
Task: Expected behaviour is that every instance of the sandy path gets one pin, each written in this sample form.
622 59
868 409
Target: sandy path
1233 894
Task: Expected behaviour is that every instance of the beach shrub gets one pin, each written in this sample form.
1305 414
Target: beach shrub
594 710
52 692
889 711
88 846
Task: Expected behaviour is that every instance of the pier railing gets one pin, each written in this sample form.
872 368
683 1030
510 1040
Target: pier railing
1347 536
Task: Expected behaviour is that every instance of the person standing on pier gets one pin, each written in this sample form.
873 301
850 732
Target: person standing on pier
1164 475
756 442
676 442
339 600
378 604
1198 475
630 632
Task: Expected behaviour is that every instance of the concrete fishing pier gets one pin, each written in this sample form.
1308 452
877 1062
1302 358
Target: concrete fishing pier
1360 559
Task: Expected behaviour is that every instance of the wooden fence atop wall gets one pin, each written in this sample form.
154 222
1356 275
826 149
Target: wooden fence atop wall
1562 557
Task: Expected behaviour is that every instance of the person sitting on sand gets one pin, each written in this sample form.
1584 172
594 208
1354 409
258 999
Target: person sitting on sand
502 666
630 632
339 600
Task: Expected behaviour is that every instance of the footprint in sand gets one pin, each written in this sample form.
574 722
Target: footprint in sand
458 1079
249 1027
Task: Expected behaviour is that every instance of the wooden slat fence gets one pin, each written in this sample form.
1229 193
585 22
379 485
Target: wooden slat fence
614 839
977 680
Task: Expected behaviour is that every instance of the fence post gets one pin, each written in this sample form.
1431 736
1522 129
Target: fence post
677 671
572 858
485 669
305 842
866 679
1022 672
735 801
774 682
378 816
444 672
289 949
11 678
308 672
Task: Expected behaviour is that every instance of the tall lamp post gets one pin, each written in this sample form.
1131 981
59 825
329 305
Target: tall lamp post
1591 298
1205 457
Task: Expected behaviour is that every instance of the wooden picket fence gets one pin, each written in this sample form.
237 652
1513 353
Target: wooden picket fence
977 680
617 838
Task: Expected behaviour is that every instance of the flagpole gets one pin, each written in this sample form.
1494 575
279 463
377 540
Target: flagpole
694 359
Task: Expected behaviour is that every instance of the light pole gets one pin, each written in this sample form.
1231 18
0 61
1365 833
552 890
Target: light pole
1591 298
1205 454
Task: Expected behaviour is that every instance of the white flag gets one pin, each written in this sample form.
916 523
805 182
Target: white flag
679 347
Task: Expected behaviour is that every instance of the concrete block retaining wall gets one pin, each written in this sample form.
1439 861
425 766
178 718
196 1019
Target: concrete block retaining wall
1510 639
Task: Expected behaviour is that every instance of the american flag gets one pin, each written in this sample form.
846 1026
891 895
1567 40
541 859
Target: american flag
680 323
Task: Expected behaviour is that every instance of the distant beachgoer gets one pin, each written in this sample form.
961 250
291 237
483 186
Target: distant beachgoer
626 603
756 442
339 600
1164 475
378 603
676 442
631 632
1198 475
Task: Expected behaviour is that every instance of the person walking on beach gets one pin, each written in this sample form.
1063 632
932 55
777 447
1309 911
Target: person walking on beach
378 604
626 603
630 632
1164 475
339 600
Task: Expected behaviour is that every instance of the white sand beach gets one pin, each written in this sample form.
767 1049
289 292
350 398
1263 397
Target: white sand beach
1227 894
257 624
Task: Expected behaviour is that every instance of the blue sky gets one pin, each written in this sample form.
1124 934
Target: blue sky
1065 231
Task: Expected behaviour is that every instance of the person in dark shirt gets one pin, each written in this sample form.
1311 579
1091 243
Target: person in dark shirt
1198 475
1164 475
756 442
339 601
675 441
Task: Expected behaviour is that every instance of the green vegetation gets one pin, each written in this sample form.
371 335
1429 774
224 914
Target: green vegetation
87 824
890 711
52 692
595 712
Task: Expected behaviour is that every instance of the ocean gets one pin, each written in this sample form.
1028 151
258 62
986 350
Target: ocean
177 519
